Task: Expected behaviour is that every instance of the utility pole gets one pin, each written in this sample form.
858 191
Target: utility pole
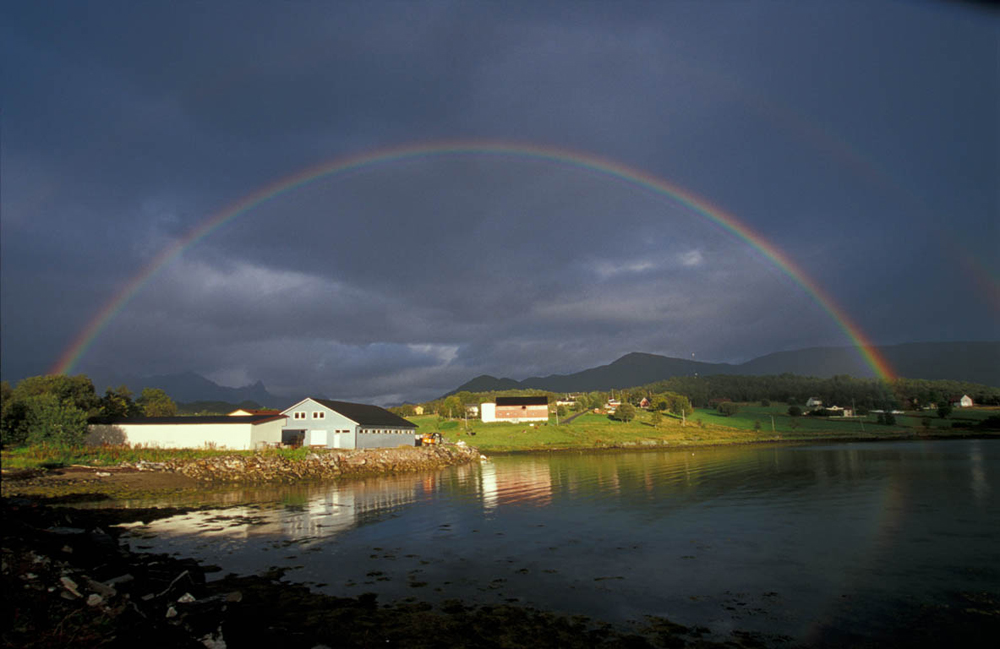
772 425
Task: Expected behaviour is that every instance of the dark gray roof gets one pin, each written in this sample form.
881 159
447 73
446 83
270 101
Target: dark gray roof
208 419
523 401
366 415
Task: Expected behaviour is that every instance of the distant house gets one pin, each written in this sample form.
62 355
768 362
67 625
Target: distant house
244 412
644 403
472 409
837 411
814 402
516 409
323 423
964 401
233 432
418 410
612 405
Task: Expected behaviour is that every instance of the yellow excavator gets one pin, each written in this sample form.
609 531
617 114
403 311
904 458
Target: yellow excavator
430 439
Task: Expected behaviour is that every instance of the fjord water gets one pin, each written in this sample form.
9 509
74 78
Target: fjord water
823 544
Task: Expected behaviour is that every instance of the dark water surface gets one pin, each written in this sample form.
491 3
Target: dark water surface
821 544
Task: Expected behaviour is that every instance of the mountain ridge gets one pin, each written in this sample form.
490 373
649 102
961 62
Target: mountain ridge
975 362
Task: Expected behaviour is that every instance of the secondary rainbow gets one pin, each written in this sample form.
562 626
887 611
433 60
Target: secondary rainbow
583 161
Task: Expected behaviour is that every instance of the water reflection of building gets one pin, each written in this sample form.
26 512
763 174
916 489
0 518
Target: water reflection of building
516 483
297 515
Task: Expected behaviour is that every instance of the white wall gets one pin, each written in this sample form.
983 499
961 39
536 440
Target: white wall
237 436
489 412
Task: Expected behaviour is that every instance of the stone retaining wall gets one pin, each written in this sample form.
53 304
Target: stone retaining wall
271 467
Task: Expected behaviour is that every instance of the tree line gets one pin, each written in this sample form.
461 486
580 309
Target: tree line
680 395
55 408
842 390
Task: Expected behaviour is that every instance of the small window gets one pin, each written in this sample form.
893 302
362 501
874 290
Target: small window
299 415
319 415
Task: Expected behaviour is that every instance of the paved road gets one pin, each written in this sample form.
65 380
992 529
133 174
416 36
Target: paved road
572 417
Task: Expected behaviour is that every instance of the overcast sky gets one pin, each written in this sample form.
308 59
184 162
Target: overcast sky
860 139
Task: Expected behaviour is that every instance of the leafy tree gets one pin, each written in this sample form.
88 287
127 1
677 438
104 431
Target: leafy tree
14 423
765 402
451 407
944 409
625 412
794 411
33 410
756 425
53 422
118 403
155 403
77 391
728 408
405 410
656 418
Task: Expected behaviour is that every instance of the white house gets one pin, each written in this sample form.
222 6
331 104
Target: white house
516 409
238 433
965 401
814 402
340 424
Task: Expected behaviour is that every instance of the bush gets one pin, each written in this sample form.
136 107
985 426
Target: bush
625 412
887 418
794 411
765 403
728 408
52 422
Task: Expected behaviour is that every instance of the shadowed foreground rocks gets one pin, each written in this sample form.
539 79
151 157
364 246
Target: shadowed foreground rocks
68 580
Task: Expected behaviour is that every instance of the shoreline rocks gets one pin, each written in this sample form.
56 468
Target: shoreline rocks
321 464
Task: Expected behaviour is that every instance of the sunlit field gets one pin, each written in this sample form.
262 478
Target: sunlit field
751 424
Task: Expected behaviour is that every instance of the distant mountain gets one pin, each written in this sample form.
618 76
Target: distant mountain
638 367
976 362
186 387
487 383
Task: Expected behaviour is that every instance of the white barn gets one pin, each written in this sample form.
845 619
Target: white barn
340 424
238 433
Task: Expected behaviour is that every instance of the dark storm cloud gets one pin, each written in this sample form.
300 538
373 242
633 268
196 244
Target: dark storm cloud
859 140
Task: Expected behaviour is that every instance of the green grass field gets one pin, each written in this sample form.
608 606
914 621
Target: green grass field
704 427
49 456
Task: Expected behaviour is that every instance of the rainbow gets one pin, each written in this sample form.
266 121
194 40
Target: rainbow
587 162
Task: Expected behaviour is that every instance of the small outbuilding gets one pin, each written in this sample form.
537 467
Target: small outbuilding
254 411
964 401
324 423
231 432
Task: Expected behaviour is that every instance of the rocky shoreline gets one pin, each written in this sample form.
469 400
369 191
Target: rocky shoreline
271 467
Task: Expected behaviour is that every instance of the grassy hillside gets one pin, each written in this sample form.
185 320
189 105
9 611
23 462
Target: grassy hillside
705 427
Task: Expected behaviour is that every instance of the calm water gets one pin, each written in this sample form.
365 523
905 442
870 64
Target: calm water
822 544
